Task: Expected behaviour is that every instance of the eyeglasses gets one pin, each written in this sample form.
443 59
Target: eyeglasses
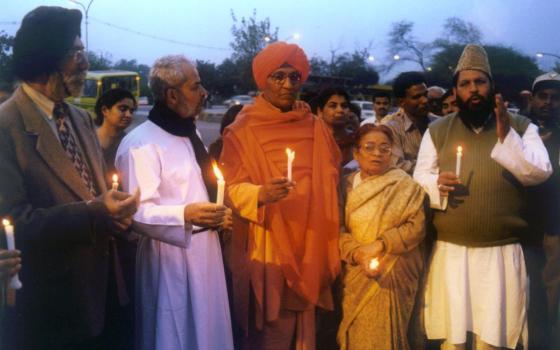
370 148
77 54
280 77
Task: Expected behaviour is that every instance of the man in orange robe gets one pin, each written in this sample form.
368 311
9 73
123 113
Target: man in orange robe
285 243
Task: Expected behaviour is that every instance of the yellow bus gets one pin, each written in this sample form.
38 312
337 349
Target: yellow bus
97 82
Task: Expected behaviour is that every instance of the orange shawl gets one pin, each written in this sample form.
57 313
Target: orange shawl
304 227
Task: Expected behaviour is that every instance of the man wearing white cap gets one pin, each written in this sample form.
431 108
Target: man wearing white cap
542 248
477 281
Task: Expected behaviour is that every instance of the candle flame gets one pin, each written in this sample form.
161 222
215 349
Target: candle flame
374 264
5 222
291 154
115 178
460 149
217 171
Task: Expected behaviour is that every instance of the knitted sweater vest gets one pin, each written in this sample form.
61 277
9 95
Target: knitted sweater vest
486 209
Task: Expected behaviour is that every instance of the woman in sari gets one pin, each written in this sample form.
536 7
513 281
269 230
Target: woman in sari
384 226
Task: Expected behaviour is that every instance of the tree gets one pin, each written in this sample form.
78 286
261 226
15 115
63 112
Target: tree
458 31
6 71
228 71
347 65
319 66
355 67
210 77
408 48
99 61
249 38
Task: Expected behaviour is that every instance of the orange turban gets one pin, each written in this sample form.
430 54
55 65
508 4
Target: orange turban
274 56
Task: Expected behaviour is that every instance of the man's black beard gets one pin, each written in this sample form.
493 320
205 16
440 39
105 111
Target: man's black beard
548 121
476 116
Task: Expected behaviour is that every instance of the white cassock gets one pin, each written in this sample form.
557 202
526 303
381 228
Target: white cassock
181 296
480 290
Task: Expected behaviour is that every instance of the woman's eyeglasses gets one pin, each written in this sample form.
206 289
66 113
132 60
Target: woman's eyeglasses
370 148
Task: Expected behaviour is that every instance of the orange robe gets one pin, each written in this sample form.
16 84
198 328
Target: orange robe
286 253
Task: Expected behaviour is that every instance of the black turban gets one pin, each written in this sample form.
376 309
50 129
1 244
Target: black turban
46 35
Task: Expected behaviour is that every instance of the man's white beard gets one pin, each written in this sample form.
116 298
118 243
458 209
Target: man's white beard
61 86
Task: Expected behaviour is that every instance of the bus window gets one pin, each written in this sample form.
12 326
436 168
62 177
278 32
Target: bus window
90 88
127 82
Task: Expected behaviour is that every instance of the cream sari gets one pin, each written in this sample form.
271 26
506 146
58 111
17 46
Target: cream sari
378 312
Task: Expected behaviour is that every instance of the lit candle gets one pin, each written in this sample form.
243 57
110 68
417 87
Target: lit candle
291 155
373 264
458 164
221 184
115 182
15 283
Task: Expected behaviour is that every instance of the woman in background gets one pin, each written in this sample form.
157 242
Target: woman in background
114 111
333 106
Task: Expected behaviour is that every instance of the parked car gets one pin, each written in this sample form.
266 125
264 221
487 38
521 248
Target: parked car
239 100
366 107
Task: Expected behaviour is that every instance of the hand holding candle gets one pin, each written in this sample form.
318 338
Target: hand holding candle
291 155
221 184
115 182
458 164
15 283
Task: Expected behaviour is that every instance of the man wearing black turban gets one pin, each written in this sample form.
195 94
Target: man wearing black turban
52 187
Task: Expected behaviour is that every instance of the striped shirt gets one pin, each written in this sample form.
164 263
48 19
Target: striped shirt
406 139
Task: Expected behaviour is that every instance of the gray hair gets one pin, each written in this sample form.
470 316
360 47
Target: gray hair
168 72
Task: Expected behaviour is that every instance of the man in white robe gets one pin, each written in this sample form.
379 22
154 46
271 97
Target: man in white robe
181 298
477 281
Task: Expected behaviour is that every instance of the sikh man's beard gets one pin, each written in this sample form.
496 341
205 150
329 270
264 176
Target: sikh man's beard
476 114
63 86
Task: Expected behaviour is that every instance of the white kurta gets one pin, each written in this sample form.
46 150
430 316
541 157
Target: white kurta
480 290
181 300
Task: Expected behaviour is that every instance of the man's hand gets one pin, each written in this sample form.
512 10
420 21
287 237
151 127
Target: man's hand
274 190
502 118
121 225
445 182
228 220
10 263
117 205
207 215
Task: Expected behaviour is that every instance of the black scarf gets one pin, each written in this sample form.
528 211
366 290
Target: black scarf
171 122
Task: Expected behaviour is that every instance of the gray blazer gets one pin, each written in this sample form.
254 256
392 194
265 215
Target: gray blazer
65 250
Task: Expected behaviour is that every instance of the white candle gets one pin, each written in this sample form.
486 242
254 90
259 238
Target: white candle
291 155
115 182
373 264
458 164
221 184
15 283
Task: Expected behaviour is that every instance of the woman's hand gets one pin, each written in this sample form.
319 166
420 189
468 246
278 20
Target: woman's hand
365 254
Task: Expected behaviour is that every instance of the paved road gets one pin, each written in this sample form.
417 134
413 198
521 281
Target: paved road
210 130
